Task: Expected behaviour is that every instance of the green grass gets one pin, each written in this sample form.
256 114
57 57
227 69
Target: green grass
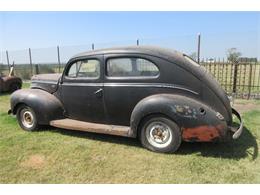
60 156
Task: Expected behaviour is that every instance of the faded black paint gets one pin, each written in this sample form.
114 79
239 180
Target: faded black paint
181 91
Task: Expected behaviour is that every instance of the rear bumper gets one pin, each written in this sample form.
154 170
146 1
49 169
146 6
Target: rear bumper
237 131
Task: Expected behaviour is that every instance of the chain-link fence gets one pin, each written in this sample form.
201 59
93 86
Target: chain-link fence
241 78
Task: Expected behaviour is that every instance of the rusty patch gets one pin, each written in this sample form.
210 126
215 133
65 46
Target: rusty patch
203 133
35 161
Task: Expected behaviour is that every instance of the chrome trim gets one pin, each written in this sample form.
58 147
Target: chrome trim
158 85
240 129
44 82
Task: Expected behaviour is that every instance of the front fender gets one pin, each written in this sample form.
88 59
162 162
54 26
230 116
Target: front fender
46 106
198 122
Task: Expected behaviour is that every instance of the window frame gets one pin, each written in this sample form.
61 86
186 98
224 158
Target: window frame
66 77
130 77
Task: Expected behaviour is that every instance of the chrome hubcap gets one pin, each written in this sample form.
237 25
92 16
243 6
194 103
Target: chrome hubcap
158 134
27 118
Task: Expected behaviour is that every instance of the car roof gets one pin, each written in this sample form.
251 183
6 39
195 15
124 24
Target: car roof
169 54
150 50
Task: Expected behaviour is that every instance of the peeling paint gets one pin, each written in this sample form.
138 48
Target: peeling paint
184 111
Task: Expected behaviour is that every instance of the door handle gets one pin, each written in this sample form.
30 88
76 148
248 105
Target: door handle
99 92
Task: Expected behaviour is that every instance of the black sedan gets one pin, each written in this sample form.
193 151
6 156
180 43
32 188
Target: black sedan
161 96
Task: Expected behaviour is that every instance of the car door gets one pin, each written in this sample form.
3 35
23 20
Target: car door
82 90
128 79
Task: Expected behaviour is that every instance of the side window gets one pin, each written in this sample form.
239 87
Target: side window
85 69
131 67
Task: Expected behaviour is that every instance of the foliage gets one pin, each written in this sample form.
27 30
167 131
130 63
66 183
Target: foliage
233 54
46 69
193 55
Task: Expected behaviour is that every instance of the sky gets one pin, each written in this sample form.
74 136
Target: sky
76 31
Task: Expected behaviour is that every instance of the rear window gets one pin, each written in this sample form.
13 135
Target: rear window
131 67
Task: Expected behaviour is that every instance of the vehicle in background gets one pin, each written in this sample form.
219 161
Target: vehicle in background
10 83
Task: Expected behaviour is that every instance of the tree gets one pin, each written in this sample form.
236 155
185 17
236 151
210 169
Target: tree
233 54
193 55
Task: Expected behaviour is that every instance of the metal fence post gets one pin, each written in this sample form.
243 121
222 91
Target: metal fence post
249 81
7 58
30 57
58 52
198 52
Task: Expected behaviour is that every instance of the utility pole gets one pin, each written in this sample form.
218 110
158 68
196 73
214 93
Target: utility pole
198 52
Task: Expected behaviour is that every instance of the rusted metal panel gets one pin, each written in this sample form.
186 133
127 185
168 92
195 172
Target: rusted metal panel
203 133
7 83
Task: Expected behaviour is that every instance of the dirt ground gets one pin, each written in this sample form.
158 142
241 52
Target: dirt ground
243 106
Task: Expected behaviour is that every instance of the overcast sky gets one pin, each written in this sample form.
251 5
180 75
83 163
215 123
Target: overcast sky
178 30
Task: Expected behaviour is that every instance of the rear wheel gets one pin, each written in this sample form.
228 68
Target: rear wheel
160 134
26 118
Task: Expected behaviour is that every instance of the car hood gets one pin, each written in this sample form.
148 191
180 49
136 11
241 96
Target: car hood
47 82
46 77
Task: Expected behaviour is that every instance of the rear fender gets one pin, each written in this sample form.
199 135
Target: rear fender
46 106
198 122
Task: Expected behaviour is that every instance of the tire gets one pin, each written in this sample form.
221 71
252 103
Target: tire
14 86
160 134
27 118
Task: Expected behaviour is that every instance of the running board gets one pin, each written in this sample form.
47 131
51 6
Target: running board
91 127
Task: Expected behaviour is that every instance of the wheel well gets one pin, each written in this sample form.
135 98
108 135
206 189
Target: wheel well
17 106
146 117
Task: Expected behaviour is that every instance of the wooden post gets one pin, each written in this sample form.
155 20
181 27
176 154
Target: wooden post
249 81
235 77
30 57
58 52
198 52
37 69
7 59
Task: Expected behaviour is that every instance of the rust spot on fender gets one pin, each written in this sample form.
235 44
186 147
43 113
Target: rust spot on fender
203 133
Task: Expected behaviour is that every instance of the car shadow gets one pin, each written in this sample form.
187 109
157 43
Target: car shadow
245 146
99 137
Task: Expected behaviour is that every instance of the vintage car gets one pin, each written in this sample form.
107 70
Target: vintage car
10 83
161 96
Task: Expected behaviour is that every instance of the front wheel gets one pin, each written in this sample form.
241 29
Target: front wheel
160 134
27 118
